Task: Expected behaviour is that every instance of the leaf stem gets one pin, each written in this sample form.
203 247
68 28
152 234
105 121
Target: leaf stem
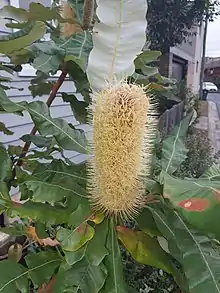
50 100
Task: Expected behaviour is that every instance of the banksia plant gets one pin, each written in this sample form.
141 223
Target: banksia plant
121 147
67 28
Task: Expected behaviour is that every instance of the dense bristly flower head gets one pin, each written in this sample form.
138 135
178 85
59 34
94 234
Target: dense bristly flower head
121 147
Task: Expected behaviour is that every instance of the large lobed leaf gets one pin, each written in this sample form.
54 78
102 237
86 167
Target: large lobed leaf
117 30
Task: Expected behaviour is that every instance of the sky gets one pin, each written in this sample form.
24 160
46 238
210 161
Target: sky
213 39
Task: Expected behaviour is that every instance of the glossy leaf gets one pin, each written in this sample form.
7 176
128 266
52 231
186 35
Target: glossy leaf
145 249
197 200
115 280
174 151
25 39
72 240
109 60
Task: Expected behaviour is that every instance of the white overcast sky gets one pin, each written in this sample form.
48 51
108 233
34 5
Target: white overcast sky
213 39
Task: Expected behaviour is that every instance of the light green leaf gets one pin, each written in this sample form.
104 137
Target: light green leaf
115 280
8 106
72 240
72 257
145 249
117 30
174 151
25 39
146 57
213 173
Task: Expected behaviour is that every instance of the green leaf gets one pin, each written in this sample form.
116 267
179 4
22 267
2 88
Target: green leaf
4 129
83 277
147 223
197 200
96 250
174 151
146 57
213 173
145 249
47 63
6 164
13 276
42 266
78 107
37 211
113 262
25 39
199 259
72 257
39 141
7 106
72 240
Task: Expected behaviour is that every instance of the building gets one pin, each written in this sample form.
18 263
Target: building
212 70
184 61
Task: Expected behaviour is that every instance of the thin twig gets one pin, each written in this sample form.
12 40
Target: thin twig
50 100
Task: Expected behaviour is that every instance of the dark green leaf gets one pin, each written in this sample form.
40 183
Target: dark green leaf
13 276
78 107
73 257
47 63
85 277
5 130
96 250
174 151
113 262
6 164
147 223
146 57
7 106
39 141
41 230
42 266
67 137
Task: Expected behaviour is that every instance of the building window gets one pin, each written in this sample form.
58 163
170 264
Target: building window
27 69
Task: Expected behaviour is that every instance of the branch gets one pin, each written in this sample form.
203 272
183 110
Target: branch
50 100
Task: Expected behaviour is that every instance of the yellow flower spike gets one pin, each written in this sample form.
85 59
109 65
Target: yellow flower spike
123 129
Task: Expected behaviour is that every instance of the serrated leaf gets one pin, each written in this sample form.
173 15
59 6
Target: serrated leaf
109 59
67 137
78 107
42 266
199 259
96 250
115 280
145 249
197 200
174 151
27 38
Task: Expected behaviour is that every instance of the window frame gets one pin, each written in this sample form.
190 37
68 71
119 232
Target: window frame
27 69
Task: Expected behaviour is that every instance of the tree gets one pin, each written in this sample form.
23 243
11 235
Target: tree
170 21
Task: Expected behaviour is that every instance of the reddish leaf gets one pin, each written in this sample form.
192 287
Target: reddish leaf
194 204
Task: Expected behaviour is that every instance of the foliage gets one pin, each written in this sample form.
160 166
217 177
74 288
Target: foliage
70 247
176 20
